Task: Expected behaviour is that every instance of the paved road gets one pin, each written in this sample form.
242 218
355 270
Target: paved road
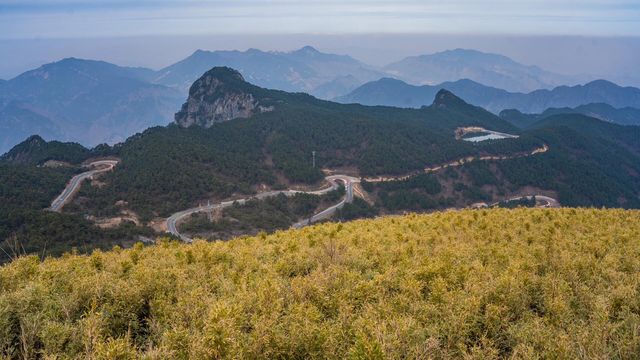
348 182
74 184
334 180
458 162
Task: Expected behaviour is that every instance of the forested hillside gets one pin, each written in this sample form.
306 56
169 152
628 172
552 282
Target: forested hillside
579 161
35 151
26 228
32 174
166 169
478 284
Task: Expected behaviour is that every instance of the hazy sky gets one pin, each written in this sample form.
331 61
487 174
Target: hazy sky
570 36
90 18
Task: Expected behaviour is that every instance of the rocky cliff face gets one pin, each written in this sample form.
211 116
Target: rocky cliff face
221 94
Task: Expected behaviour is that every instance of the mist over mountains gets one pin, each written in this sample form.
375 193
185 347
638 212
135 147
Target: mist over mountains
93 102
304 70
394 92
85 101
489 69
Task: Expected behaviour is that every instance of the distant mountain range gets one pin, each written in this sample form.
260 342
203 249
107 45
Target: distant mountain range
392 92
86 101
604 112
94 102
304 70
328 75
489 69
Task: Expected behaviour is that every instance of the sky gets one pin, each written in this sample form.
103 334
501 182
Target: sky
568 36
105 18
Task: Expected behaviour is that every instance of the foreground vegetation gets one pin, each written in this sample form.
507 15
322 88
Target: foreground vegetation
521 283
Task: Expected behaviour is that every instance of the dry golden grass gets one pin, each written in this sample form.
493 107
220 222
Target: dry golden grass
525 283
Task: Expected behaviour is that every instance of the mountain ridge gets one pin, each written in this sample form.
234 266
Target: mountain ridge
304 69
394 92
92 101
601 111
487 68
86 101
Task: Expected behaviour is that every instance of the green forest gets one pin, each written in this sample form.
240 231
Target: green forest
168 169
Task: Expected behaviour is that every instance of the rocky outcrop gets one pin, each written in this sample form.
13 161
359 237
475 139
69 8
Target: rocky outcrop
221 94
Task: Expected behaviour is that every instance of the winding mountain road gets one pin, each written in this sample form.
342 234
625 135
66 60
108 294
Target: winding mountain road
172 221
348 181
544 148
101 166
74 184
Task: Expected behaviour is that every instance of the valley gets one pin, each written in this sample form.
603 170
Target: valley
171 223
225 174
358 179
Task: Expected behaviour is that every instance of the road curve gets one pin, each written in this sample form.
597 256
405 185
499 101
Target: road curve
172 221
328 212
74 184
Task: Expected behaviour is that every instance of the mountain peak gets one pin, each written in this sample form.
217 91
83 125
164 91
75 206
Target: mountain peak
307 50
220 79
36 151
72 61
389 80
601 83
463 51
446 99
224 73
254 51
200 52
34 140
221 94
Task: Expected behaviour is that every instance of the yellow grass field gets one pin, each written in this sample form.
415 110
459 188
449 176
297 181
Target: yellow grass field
524 283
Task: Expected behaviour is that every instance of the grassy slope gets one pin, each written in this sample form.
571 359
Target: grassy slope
499 283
